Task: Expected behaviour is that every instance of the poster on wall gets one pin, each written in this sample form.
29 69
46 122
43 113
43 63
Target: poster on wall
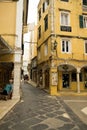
54 78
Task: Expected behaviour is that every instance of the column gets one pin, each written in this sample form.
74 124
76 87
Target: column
78 80
53 81
17 80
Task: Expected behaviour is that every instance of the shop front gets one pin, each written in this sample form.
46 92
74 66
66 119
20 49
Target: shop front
72 78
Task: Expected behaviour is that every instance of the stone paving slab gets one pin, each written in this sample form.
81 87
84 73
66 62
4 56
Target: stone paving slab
6 106
39 111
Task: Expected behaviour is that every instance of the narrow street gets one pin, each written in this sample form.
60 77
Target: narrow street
39 111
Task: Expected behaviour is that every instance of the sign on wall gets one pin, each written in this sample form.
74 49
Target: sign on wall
54 78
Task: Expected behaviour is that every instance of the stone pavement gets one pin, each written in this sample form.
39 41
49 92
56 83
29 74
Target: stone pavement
6 106
39 111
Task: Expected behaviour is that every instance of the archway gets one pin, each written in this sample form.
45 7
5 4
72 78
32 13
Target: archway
67 77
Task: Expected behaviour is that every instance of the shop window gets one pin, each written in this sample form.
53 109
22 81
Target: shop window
73 76
80 75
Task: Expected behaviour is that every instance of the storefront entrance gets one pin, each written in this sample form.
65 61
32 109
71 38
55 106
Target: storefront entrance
65 80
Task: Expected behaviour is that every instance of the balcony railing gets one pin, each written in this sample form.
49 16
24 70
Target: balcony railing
66 28
84 8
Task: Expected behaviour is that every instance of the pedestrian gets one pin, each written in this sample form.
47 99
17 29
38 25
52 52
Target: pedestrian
26 78
8 89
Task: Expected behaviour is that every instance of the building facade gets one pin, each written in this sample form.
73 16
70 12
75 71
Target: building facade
62 45
32 61
11 39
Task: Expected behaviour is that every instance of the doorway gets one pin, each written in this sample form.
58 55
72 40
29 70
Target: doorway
65 80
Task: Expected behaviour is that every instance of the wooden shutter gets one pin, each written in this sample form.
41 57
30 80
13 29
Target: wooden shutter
81 21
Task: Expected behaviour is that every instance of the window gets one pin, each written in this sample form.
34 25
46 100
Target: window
86 47
46 22
39 14
46 49
43 7
84 2
39 32
83 21
66 46
39 55
47 2
65 0
65 21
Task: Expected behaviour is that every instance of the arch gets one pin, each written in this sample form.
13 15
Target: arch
84 66
66 67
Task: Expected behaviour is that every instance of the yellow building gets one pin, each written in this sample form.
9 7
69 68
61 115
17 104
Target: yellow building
32 66
11 34
62 45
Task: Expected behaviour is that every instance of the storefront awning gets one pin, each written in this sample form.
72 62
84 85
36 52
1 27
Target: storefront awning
4 47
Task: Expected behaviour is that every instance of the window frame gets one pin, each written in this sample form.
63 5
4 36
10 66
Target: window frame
84 16
85 47
65 46
68 20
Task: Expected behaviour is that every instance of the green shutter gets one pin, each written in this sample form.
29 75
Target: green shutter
81 21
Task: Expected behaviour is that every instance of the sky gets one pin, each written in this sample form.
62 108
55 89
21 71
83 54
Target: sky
32 15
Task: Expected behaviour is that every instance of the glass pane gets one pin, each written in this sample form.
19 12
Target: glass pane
85 47
63 46
67 46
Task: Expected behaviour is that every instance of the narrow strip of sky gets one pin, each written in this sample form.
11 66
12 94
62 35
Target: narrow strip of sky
32 15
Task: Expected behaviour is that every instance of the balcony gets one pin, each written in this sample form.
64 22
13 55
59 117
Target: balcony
66 28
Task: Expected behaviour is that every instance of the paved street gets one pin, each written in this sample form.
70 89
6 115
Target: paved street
39 111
